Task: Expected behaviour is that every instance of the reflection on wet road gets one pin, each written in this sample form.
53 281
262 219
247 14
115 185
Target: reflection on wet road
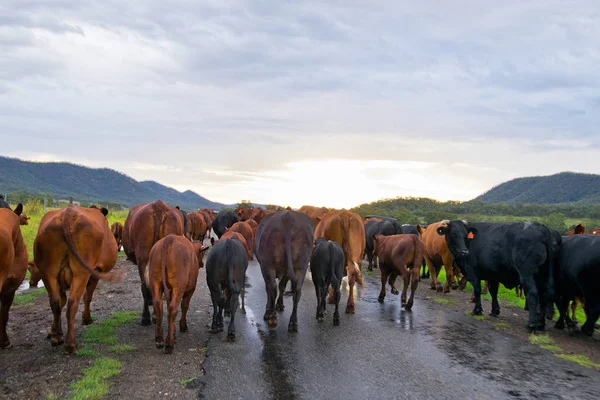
381 352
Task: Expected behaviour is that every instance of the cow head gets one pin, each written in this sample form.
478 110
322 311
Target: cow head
458 234
103 210
23 219
421 230
199 249
580 229
318 241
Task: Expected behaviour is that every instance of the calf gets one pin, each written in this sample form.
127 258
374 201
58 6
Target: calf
74 249
327 268
117 231
13 264
172 270
578 275
507 253
283 246
225 273
399 255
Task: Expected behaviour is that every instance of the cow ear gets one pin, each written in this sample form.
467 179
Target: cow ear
442 230
19 209
177 207
94 207
104 211
419 229
472 233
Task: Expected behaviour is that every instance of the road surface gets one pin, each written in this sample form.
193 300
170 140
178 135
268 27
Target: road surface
382 352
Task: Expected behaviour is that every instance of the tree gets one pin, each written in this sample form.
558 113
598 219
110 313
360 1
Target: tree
436 216
244 204
555 221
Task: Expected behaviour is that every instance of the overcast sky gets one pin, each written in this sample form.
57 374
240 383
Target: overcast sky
305 102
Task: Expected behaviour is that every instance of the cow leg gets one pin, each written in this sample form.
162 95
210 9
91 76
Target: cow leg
233 301
321 293
414 283
335 283
147 300
77 289
297 282
271 288
392 282
370 259
172 317
493 287
592 311
282 284
215 295
6 300
532 298
226 309
384 277
58 299
424 270
478 310
434 270
351 280
87 300
406 282
157 303
185 305
449 267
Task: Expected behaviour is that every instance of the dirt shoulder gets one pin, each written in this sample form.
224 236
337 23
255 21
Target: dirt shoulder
32 369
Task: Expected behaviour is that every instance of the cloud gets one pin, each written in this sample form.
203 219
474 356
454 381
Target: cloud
257 87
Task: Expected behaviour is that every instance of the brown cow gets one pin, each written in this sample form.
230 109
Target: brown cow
399 255
246 230
145 225
230 234
253 224
255 213
173 271
315 213
74 248
595 231
437 255
117 231
13 264
34 274
196 227
578 230
347 229
208 219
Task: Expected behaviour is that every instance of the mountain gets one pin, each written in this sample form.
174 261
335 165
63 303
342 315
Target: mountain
63 180
565 187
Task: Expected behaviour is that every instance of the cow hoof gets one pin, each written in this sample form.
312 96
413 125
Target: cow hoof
160 345
494 313
432 287
49 333
320 318
440 289
395 291
477 311
379 299
183 328
56 341
350 309
336 322
330 300
280 307
559 324
293 327
445 290
71 349
408 307
5 345
227 314
146 322
266 317
215 329
169 349
403 304
87 321
231 337
272 323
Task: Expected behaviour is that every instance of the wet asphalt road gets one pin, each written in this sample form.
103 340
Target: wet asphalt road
381 352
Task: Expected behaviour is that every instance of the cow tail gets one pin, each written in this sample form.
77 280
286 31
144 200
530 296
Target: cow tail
158 219
69 218
346 244
229 254
288 225
336 280
163 267
551 266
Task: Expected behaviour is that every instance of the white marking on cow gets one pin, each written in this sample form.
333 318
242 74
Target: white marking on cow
147 276
445 221
527 225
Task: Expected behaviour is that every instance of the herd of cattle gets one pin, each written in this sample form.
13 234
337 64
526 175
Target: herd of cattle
75 248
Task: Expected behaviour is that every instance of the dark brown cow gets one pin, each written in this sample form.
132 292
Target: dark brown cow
578 230
230 234
246 230
595 231
283 247
196 229
437 255
145 225
253 224
347 229
74 248
208 219
13 264
117 231
315 213
399 255
255 213
173 271
210 212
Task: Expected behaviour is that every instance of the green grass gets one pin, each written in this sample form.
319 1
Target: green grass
541 339
86 352
186 381
477 317
121 348
28 297
501 325
552 348
104 332
93 385
580 359
441 300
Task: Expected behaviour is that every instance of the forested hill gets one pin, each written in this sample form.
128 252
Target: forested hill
563 188
63 180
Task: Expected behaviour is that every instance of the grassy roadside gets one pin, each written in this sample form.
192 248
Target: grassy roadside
547 343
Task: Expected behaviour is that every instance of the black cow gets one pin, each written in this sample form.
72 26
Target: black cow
510 254
223 221
394 221
226 272
578 275
4 204
373 228
283 245
327 264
